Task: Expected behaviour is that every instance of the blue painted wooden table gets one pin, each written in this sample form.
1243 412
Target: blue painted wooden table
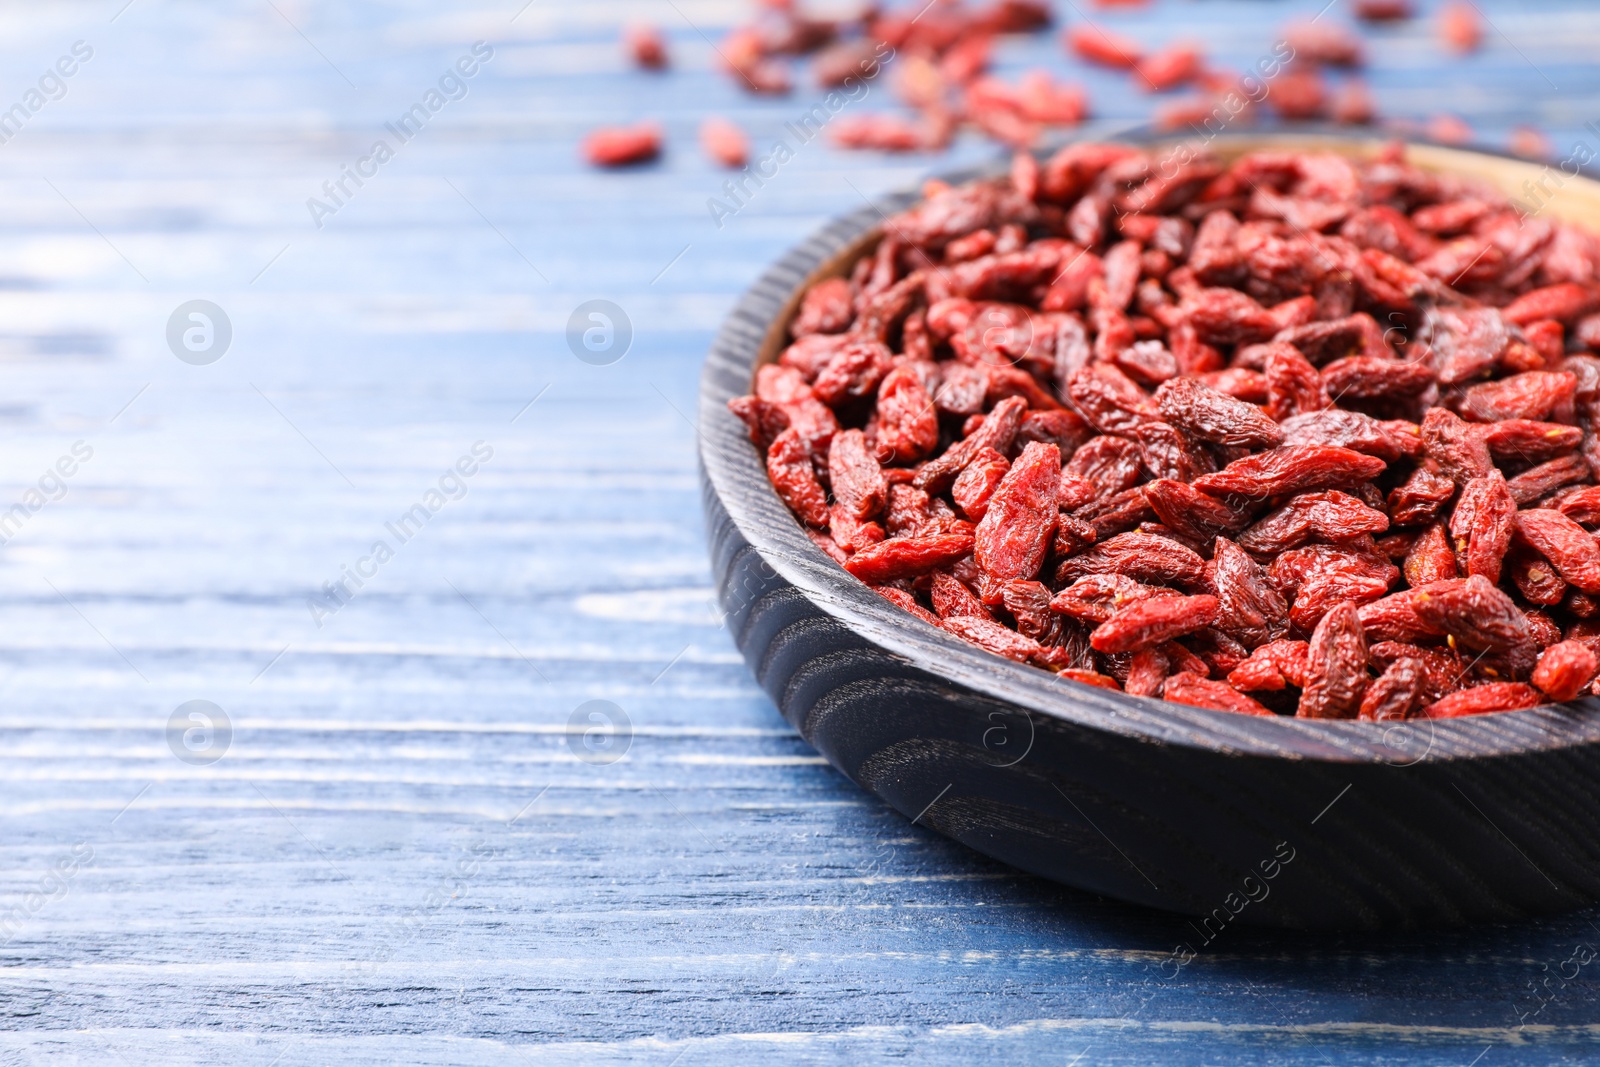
405 853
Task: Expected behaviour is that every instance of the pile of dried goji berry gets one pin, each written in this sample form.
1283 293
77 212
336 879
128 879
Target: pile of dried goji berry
1296 434
941 53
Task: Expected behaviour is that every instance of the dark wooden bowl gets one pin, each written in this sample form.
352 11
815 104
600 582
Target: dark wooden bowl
1272 822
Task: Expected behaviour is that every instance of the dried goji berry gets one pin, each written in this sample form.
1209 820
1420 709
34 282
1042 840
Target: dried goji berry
1147 361
1422 496
1383 10
1397 693
976 484
1188 688
620 146
1241 383
1299 94
952 598
1474 612
1443 669
1060 428
993 637
1356 581
1457 447
1227 316
1355 431
1087 677
1001 275
961 390
1191 512
793 476
645 46
1166 452
1117 513
1430 558
909 556
1249 608
1546 478
1495 696
1099 46
1096 597
956 211
1336 667
1290 570
1325 516
1460 26
854 372
904 600
908 426
1170 67
1535 578
1272 667
1153 622
1119 275
724 142
907 510
1544 629
1483 523
1564 302
826 308
849 532
1292 469
1015 533
1144 557
1110 400
1531 395
1293 385
1147 670
855 477
1548 338
1353 104
1466 342
1214 416
1583 506
1564 669
1110 464
887 133
1369 377
1029 604
1570 548
1041 99
765 420
1521 439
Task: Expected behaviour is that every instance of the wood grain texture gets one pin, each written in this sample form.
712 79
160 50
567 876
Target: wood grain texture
353 883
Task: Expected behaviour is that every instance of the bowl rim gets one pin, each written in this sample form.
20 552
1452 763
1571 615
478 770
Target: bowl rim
754 332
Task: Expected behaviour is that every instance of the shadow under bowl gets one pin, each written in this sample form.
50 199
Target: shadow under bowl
1232 818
